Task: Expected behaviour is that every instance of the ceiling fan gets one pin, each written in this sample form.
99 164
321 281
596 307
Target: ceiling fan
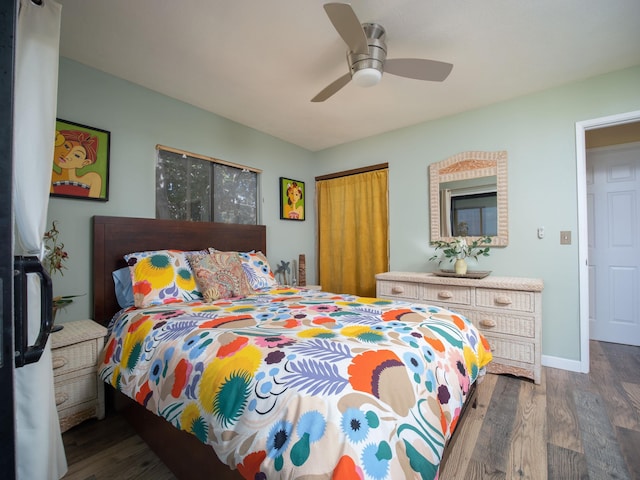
367 54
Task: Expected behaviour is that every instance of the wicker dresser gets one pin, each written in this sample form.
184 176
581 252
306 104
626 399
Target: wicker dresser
507 310
79 393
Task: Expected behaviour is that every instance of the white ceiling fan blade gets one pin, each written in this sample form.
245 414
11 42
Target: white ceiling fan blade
348 26
332 88
418 68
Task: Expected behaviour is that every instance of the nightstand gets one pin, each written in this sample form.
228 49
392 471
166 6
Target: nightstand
79 392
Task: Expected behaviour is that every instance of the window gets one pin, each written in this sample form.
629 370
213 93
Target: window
204 189
474 215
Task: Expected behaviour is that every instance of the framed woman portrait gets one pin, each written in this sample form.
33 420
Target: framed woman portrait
80 162
291 199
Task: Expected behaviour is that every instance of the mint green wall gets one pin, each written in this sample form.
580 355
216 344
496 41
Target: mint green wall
538 132
138 120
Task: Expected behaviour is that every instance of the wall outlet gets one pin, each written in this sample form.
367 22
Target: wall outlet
565 237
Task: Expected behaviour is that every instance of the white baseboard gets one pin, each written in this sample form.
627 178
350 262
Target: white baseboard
562 363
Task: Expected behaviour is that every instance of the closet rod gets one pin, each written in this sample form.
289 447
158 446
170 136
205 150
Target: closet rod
355 171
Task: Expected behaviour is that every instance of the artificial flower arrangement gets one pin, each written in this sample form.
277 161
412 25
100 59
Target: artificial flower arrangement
55 255
54 258
459 249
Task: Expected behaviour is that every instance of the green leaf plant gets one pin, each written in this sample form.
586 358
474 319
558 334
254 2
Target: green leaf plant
459 248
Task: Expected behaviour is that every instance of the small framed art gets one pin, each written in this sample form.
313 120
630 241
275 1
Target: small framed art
292 197
80 162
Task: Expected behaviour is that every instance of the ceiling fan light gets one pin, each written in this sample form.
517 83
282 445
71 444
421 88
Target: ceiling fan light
367 77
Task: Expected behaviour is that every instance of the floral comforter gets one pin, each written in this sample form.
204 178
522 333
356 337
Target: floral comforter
289 383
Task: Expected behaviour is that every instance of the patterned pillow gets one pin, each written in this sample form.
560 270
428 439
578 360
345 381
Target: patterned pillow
257 269
219 275
161 276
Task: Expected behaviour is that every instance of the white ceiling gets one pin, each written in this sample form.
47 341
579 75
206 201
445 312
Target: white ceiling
260 62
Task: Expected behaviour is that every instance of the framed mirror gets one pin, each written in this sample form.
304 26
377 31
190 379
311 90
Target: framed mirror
468 197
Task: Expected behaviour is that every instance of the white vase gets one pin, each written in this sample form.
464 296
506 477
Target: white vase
461 266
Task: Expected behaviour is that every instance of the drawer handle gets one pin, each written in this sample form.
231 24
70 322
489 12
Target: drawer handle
487 323
445 294
397 290
61 398
59 362
503 300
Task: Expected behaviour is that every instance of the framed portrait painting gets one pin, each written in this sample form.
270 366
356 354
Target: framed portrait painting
80 162
292 198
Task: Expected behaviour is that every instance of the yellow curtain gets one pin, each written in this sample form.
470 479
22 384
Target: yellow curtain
353 232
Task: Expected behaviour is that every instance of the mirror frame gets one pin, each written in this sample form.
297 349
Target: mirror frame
467 165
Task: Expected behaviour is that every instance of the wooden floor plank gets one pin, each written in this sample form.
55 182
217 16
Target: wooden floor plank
579 380
528 452
480 471
626 358
629 441
602 452
605 379
460 455
562 420
633 394
131 458
492 448
564 464
82 440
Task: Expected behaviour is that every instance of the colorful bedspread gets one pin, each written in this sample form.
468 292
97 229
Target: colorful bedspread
289 383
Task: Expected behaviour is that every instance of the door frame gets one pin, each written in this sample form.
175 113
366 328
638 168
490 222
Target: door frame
583 238
8 18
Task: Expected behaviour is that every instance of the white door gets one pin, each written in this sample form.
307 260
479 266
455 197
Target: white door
613 203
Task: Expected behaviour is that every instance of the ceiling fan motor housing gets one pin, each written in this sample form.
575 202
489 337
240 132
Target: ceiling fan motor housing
377 50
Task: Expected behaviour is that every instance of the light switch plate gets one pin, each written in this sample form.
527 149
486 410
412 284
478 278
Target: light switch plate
565 237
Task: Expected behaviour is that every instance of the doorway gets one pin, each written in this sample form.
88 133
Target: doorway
613 191
583 235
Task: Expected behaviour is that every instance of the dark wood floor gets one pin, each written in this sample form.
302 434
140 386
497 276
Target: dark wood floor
572 426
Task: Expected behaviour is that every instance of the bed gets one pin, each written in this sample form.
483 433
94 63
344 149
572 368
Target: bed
280 382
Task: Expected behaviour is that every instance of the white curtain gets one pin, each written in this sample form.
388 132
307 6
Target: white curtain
445 213
39 449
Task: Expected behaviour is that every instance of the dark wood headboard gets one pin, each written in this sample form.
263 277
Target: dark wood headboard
114 237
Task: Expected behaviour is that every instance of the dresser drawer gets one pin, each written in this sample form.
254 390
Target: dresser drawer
439 294
74 357
399 290
506 299
75 390
494 322
510 349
